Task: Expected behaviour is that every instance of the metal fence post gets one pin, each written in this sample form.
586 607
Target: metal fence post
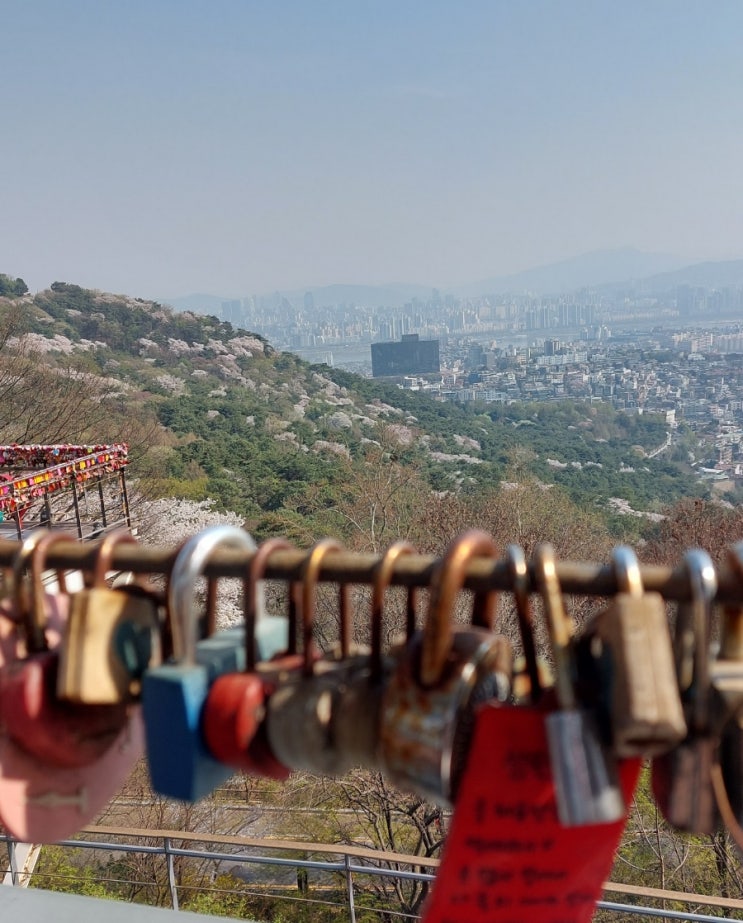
349 887
171 874
13 862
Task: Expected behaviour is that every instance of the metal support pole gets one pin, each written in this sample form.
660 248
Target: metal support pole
77 511
349 888
103 502
13 862
125 498
16 514
48 508
171 874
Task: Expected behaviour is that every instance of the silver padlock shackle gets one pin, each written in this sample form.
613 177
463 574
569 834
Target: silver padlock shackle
559 624
310 578
31 610
253 601
519 573
382 580
627 571
703 586
448 580
188 566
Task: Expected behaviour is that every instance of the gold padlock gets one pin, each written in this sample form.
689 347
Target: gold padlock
112 636
625 656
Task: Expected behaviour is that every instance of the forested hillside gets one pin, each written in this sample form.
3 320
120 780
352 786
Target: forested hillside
211 411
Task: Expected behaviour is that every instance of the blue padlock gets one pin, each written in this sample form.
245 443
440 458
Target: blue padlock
173 694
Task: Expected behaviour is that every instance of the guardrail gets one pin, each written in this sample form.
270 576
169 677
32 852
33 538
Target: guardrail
350 863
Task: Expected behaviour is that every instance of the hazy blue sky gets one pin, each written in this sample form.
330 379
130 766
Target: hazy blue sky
160 147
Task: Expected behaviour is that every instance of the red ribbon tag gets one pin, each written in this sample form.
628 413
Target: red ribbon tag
507 857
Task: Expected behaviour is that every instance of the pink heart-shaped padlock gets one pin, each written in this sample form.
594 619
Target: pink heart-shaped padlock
40 803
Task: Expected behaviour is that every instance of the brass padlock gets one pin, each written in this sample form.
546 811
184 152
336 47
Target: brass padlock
112 636
625 660
681 778
301 713
585 774
441 676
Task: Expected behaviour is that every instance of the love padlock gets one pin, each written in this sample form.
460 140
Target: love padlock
42 802
111 637
625 659
441 676
174 693
357 717
585 774
682 778
235 708
302 712
31 714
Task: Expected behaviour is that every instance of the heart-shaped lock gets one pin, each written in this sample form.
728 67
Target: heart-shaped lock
43 803
441 676
235 708
31 714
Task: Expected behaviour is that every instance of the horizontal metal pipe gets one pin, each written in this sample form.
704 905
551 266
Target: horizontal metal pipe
580 578
657 912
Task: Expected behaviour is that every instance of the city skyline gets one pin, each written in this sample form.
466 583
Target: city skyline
168 149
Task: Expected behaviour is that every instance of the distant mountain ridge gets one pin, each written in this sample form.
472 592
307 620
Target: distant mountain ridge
722 274
598 269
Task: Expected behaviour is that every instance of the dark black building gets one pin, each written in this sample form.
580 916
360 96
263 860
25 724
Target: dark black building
411 356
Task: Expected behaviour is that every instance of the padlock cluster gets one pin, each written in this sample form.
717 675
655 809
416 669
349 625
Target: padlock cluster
92 680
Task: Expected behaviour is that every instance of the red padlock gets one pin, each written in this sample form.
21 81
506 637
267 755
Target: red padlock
56 732
235 707
39 802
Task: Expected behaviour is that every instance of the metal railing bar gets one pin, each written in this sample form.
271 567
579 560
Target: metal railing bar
580 578
338 849
259 860
114 847
391 873
658 912
729 903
